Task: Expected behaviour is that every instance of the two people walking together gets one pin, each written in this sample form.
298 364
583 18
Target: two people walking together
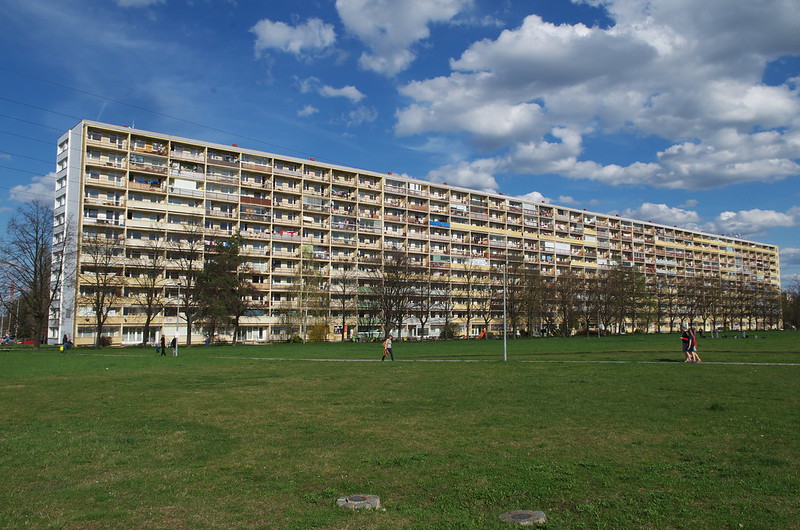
689 340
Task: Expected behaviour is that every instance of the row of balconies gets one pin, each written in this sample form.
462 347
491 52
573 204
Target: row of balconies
115 182
295 236
227 197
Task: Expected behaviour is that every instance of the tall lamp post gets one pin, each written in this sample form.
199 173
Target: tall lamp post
177 316
505 331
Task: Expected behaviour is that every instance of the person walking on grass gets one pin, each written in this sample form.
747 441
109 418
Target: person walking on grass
693 350
163 346
387 348
686 339
174 346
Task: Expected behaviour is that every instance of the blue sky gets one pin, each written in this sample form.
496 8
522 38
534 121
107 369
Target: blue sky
681 112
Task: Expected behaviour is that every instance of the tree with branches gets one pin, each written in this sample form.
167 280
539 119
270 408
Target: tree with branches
32 265
147 285
102 279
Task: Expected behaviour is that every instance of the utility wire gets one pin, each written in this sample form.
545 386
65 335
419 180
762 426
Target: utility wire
49 142
31 122
28 157
143 109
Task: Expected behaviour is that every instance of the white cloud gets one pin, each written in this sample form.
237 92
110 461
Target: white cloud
790 256
753 222
350 92
313 84
655 72
313 35
390 28
535 196
476 174
361 115
40 187
308 110
138 3
661 213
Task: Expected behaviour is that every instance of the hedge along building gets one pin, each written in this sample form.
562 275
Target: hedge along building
138 204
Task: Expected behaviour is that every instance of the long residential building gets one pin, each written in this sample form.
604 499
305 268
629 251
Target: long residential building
154 193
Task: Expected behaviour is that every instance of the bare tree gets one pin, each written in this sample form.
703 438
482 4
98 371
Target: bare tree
474 276
344 295
515 299
392 291
223 291
566 288
186 254
422 298
28 264
101 276
146 281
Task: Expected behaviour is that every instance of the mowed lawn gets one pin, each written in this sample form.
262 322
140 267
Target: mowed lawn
613 432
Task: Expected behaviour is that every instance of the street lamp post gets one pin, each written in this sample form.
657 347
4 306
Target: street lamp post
505 331
177 323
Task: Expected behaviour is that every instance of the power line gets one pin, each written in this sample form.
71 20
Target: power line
76 118
26 192
31 122
49 142
143 109
52 162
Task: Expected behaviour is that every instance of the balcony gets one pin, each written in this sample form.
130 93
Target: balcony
287 171
104 202
256 200
149 168
223 178
186 192
146 186
222 196
256 167
220 213
104 222
188 155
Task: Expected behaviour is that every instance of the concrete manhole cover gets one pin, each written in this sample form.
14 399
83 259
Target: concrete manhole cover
359 502
524 517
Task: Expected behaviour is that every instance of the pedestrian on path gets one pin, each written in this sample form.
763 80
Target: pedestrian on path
387 348
693 350
686 339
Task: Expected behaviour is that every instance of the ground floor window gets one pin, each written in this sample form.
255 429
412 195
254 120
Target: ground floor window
252 334
134 335
89 331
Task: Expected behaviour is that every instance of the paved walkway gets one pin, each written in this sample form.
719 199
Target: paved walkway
312 360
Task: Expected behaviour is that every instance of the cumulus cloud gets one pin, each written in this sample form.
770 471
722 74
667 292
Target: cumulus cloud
40 187
313 84
389 29
138 3
531 94
535 196
790 256
748 223
360 116
661 213
308 110
476 174
311 36
350 92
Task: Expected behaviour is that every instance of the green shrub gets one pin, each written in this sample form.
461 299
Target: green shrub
451 330
318 333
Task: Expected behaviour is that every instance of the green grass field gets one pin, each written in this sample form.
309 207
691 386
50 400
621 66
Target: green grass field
614 432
